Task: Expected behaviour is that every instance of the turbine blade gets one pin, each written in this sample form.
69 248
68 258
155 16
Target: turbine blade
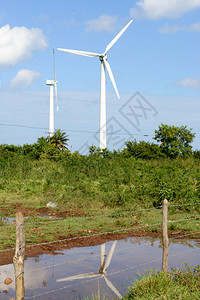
84 53
111 77
80 276
117 37
110 256
112 287
55 82
56 92
54 65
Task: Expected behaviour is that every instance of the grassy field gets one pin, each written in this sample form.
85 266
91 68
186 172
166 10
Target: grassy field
96 186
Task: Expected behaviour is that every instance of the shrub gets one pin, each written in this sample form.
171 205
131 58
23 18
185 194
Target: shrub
143 150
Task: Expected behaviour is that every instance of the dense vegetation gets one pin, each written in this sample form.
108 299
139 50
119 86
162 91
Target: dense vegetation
117 179
140 176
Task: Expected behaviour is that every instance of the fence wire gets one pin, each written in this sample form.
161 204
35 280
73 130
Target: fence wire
108 232
100 234
97 216
185 235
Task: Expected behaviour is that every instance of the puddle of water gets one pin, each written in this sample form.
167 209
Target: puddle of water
75 273
11 220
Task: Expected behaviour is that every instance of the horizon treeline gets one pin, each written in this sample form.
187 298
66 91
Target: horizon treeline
171 141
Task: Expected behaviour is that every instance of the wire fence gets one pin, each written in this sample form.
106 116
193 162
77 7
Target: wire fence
95 235
186 235
37 219
100 234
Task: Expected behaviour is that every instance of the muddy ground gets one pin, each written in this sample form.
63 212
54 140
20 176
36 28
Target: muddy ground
53 248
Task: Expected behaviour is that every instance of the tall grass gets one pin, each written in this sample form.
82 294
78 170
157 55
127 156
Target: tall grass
177 284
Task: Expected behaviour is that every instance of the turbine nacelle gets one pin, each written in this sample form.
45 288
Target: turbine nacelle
103 57
49 82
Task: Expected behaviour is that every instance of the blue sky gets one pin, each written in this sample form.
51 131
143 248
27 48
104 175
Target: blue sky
156 65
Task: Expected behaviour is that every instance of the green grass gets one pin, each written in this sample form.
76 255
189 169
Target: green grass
177 284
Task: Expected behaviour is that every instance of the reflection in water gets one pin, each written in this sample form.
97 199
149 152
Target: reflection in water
104 264
80 272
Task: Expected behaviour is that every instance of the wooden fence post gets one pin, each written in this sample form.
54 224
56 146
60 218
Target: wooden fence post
165 236
18 259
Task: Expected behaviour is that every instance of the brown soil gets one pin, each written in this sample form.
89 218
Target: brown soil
45 211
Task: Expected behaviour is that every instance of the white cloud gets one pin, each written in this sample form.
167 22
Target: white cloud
103 23
44 18
173 29
169 29
193 83
19 43
68 23
24 77
156 9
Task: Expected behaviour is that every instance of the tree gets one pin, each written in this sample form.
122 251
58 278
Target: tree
142 149
59 140
174 140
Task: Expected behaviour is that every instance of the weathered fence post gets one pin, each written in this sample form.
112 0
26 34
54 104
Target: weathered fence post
165 237
18 259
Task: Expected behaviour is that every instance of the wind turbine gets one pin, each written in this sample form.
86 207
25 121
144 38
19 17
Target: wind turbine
104 264
52 83
104 65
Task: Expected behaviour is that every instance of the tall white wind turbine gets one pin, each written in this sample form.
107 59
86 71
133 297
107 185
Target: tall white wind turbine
104 65
52 83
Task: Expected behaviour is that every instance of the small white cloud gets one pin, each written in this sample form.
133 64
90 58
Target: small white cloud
19 43
103 23
173 29
24 77
195 27
156 9
44 18
68 23
193 83
169 29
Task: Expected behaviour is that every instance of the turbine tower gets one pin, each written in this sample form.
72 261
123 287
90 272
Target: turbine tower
104 65
52 83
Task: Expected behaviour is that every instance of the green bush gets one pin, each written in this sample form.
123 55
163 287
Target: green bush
143 150
196 154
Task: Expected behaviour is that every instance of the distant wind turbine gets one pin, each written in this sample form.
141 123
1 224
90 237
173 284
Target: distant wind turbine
52 83
104 64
